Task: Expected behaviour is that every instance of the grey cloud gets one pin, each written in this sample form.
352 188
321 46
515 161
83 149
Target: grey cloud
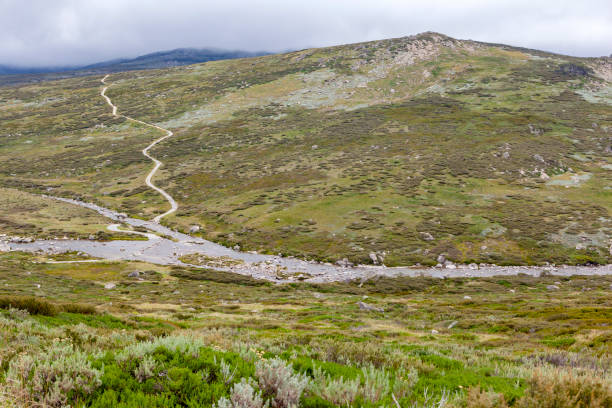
61 32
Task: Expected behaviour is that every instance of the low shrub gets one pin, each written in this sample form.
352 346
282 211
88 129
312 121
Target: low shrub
78 308
278 382
339 391
376 383
33 305
217 276
563 389
242 395
54 378
479 398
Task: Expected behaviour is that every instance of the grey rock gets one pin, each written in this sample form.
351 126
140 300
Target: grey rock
534 130
426 236
344 262
134 274
373 257
194 228
365 306
473 266
453 324
110 286
441 258
434 331
552 287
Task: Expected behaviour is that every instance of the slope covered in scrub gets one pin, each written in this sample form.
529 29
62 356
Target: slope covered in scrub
407 148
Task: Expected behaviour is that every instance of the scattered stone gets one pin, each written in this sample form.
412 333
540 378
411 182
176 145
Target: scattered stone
473 266
110 286
466 297
534 130
506 155
365 306
512 291
441 258
134 274
344 263
426 236
449 265
453 324
373 257
552 287
434 331
194 228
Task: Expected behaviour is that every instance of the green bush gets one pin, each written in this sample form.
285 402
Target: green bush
78 308
33 305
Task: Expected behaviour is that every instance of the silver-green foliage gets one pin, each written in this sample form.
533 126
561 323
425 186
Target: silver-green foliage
339 391
277 380
49 378
243 395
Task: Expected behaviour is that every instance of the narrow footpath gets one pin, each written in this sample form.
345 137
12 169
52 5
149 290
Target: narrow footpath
145 152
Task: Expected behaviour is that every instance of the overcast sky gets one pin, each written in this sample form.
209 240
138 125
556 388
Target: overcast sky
63 32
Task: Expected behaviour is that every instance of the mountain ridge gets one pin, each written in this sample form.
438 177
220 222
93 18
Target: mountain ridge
10 74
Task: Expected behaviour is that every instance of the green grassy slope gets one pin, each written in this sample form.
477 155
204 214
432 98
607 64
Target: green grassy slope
407 148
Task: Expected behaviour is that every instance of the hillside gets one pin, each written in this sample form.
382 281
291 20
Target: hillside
406 148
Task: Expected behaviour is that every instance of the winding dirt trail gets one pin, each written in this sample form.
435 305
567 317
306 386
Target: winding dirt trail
145 152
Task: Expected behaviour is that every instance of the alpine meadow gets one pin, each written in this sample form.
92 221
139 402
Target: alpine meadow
411 222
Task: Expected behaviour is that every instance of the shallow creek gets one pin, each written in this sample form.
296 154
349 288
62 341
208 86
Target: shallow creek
167 251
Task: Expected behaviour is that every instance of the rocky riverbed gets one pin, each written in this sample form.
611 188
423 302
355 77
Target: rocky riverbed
166 246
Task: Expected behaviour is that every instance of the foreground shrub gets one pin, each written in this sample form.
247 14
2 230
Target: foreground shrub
56 378
279 382
478 398
338 391
242 395
562 389
33 305
376 384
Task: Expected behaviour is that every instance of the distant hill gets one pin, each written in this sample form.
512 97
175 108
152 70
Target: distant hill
13 75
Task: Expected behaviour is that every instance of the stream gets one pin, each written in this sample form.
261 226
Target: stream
172 245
